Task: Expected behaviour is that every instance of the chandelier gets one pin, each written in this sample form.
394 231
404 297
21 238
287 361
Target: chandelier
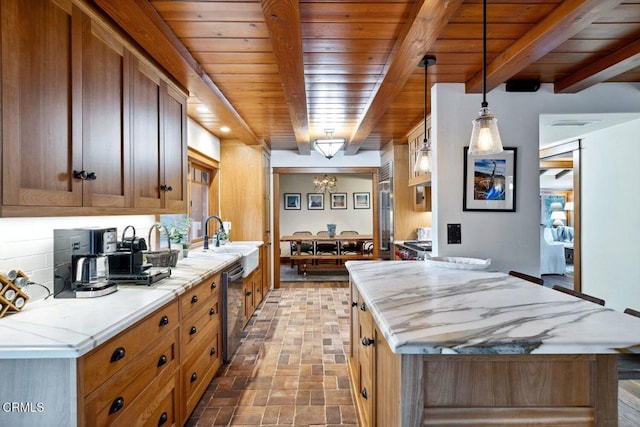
325 184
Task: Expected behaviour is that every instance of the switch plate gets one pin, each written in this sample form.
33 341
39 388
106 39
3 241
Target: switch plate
454 234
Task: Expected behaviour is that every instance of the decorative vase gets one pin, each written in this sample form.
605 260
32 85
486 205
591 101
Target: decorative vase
331 229
185 250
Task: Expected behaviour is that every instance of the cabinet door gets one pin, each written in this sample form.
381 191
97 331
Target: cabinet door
174 152
145 123
40 84
105 103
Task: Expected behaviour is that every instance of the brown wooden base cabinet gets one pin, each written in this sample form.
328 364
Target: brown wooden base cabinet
489 390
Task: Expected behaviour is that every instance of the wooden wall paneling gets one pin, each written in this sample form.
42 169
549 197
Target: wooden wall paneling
405 218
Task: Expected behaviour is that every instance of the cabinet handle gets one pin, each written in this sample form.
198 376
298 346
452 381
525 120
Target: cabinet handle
163 418
248 293
84 175
354 303
165 187
364 392
194 377
118 354
212 312
116 405
367 341
164 321
162 360
193 330
213 285
194 299
91 176
363 307
212 351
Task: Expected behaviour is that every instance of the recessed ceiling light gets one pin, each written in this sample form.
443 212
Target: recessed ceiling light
225 129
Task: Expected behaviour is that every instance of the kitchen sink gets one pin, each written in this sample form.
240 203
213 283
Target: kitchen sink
250 255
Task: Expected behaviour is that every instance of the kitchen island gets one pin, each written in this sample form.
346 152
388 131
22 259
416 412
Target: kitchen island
140 355
438 346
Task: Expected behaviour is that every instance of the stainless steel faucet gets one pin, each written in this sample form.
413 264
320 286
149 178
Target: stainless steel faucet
206 230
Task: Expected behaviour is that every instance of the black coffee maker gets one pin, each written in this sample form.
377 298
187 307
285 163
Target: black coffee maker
128 259
81 263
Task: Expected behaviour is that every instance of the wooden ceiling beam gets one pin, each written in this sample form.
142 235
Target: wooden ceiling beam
142 23
556 164
569 18
426 21
619 62
285 31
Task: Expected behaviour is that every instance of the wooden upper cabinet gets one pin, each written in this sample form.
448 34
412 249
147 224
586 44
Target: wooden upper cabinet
159 141
80 109
41 133
105 114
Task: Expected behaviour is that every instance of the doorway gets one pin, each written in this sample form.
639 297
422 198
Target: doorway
560 205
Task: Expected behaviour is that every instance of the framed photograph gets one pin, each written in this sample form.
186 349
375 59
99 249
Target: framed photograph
361 201
292 201
315 201
338 200
490 181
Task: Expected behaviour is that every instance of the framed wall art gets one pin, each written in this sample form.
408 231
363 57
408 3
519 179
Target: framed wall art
338 200
291 201
361 201
315 201
490 181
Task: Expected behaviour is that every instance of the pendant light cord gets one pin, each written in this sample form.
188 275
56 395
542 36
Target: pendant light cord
426 66
484 54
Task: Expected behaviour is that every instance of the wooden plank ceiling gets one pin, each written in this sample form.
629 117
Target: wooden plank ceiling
281 72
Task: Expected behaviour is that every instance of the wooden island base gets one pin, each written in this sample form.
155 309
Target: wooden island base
484 390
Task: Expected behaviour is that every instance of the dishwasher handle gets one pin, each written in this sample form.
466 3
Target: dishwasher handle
235 273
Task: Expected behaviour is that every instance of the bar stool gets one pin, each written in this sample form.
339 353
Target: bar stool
629 364
579 294
528 278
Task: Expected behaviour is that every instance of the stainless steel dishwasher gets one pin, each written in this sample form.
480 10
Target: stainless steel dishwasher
231 310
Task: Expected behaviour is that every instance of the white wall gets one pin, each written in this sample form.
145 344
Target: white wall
610 211
510 239
360 220
202 140
27 243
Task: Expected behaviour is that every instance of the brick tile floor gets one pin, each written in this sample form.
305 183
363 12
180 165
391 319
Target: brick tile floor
291 368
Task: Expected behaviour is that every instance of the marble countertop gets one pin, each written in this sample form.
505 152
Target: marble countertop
69 328
429 310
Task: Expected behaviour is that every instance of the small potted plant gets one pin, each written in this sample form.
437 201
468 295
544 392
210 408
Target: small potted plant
179 233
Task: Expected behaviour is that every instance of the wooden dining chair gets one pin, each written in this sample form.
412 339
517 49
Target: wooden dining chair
326 248
577 294
528 278
305 248
352 247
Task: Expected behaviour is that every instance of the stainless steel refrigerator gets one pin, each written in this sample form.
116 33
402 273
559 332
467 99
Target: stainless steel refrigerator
385 197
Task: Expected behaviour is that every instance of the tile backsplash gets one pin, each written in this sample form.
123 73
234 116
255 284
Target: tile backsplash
27 243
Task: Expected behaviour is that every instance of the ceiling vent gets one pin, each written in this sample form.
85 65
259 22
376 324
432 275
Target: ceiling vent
572 123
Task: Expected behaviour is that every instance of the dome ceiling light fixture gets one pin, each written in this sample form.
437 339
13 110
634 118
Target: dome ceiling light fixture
328 146
423 158
485 137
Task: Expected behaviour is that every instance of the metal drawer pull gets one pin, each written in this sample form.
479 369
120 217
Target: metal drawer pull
162 360
212 351
194 299
165 187
116 405
194 377
118 354
363 307
353 303
248 293
367 341
364 392
163 418
213 285
212 311
193 330
164 321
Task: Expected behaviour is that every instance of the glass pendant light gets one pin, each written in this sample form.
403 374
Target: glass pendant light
423 158
485 137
